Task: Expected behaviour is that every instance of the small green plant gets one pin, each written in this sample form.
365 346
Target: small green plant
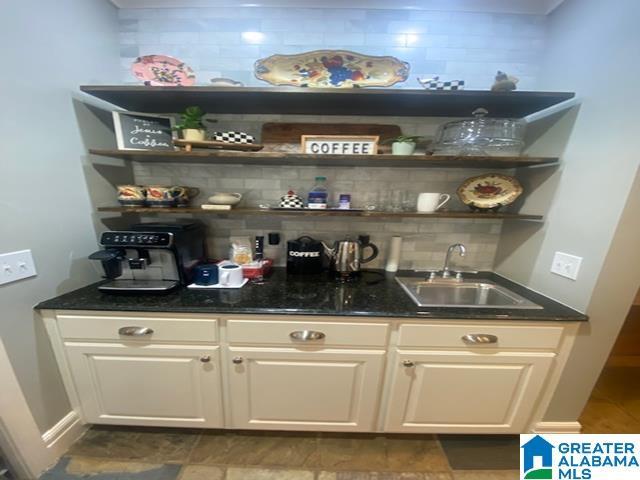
404 139
191 119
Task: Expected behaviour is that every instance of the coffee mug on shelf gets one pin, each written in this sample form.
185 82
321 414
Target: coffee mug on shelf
159 196
430 202
230 275
184 196
131 195
205 274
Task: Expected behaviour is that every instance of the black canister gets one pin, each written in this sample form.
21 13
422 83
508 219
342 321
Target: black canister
304 255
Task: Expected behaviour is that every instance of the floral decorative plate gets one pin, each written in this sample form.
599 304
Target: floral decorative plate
489 191
163 71
331 69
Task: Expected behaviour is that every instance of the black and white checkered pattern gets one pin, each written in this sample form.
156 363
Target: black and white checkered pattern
233 137
452 85
291 201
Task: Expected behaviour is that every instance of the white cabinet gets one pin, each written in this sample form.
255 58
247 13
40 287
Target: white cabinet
477 391
312 389
142 384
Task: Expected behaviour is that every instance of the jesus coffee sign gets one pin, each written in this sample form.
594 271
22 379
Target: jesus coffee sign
136 131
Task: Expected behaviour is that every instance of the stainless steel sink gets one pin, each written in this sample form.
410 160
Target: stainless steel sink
462 293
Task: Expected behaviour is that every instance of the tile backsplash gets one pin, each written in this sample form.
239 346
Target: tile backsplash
425 240
225 42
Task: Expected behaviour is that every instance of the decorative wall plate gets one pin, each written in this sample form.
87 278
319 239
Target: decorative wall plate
331 69
163 71
489 191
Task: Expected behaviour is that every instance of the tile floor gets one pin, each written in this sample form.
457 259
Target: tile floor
114 453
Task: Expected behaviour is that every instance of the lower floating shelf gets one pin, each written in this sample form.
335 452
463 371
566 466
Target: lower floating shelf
324 213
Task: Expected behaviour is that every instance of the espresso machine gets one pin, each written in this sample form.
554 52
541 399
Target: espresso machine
151 257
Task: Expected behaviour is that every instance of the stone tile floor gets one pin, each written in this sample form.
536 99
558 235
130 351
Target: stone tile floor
115 453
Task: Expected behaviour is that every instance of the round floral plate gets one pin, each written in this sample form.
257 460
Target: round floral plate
488 191
163 71
331 69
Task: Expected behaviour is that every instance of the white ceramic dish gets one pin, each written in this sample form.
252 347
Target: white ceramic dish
225 198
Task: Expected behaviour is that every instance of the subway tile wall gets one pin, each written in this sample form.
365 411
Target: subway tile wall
425 240
225 42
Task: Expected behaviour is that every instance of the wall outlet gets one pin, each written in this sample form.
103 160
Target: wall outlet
566 265
16 266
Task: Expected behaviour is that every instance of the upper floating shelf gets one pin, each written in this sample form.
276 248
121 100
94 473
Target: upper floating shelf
218 157
314 101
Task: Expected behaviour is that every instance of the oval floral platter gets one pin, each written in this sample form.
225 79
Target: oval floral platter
163 71
331 69
489 191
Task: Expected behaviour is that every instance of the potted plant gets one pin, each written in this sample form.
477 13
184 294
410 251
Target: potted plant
191 124
404 144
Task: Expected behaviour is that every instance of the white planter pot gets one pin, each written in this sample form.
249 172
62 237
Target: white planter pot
403 148
194 135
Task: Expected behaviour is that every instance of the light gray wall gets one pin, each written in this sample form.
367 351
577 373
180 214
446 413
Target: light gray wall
226 41
48 49
591 189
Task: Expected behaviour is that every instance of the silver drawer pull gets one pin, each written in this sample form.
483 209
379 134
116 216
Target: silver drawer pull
205 358
408 363
479 339
307 335
237 360
135 331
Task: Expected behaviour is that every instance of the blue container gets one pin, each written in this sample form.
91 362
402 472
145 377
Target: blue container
206 274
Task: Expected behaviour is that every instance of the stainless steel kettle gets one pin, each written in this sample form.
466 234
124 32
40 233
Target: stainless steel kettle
345 257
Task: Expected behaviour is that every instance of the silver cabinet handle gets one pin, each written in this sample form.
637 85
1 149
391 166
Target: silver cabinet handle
237 360
408 363
135 331
307 335
205 358
479 339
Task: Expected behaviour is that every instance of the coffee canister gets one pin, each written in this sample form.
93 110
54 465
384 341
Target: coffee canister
304 255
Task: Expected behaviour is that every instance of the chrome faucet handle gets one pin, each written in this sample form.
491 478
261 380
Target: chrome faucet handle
432 274
459 273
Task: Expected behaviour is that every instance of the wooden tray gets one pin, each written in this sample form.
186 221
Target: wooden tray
188 145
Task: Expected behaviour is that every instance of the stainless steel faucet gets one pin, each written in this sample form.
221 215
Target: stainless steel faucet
446 271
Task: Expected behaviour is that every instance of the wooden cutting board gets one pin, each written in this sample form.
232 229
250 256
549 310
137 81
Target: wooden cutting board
285 137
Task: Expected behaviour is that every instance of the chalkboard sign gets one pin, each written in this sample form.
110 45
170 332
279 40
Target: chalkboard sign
140 131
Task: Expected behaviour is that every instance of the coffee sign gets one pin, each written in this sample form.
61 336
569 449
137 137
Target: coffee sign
141 131
340 144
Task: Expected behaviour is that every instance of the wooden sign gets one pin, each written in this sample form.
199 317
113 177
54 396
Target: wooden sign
141 131
340 144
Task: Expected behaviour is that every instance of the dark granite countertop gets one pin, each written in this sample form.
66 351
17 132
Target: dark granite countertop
375 294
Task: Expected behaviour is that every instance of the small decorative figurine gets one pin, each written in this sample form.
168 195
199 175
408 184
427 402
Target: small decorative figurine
291 200
504 82
434 83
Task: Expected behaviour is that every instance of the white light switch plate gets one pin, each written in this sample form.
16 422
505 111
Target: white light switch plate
566 265
16 266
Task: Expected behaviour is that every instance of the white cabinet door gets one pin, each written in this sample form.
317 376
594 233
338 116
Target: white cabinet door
290 389
148 384
465 392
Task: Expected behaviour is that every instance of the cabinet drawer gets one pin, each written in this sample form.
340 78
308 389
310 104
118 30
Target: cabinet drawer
451 336
88 327
332 333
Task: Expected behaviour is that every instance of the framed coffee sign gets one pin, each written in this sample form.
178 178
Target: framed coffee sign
141 131
340 144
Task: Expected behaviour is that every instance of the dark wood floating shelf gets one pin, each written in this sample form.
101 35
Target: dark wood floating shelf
322 213
279 158
315 101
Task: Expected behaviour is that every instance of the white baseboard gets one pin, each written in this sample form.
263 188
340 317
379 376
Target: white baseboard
557 427
64 433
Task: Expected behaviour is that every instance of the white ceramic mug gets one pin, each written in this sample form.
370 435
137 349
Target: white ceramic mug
230 275
430 202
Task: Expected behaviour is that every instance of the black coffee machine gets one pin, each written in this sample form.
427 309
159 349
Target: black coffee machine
151 257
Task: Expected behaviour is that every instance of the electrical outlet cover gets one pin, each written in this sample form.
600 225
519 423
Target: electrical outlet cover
566 265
